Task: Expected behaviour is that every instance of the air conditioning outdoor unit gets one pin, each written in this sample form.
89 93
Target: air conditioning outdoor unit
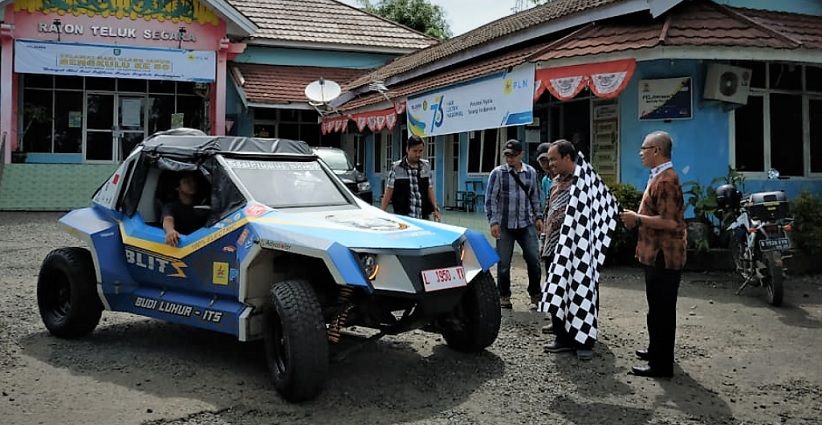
727 83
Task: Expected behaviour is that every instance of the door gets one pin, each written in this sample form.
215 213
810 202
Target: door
130 130
112 132
451 161
99 134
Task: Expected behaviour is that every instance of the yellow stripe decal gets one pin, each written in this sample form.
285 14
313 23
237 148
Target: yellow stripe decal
179 252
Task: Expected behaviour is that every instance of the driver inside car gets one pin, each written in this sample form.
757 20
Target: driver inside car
180 217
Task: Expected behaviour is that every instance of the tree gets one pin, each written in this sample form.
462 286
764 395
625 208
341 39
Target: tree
420 15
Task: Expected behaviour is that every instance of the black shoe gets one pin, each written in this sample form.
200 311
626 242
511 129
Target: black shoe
557 347
650 372
642 354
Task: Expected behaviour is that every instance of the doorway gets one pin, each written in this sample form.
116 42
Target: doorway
115 123
451 156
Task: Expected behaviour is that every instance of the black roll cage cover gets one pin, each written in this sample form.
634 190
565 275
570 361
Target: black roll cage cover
191 150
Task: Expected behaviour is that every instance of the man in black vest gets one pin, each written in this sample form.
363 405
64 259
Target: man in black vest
409 187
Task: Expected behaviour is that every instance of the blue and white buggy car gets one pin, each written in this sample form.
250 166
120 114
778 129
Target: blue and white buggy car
288 256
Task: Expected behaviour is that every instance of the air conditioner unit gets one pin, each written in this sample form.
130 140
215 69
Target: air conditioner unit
727 83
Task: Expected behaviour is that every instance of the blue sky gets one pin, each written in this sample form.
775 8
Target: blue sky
465 15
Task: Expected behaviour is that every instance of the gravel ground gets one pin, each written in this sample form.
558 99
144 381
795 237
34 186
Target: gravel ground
739 361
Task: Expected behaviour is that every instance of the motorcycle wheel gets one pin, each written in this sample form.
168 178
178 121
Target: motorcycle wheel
736 251
774 279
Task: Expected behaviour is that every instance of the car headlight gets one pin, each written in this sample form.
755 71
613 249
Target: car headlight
369 265
362 187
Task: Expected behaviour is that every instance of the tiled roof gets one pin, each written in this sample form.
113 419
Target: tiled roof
510 24
273 84
481 67
804 28
693 24
327 22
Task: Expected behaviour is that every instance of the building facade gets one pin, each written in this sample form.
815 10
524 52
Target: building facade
84 81
608 73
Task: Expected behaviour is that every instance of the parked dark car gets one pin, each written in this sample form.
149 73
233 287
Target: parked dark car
341 164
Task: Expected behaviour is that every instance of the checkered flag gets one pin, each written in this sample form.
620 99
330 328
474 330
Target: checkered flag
570 290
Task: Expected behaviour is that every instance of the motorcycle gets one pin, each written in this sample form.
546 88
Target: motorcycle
760 237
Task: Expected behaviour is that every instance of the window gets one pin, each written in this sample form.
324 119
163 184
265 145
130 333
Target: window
750 150
484 150
378 157
781 125
815 119
53 109
388 146
431 148
287 124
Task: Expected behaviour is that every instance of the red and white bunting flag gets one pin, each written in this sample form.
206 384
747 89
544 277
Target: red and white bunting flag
391 120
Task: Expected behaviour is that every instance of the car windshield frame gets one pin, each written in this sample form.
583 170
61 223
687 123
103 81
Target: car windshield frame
335 154
289 177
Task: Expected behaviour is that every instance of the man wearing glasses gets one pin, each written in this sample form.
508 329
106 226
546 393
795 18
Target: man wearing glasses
660 248
513 212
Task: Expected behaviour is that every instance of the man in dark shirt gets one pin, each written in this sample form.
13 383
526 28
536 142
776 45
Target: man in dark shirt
180 217
409 187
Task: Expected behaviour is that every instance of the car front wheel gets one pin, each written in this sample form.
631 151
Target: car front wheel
296 342
67 293
477 317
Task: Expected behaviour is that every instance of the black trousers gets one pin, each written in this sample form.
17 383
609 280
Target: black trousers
661 290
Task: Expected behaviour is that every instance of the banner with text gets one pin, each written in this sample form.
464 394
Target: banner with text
499 100
88 60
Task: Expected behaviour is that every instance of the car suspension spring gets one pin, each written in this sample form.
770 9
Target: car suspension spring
341 319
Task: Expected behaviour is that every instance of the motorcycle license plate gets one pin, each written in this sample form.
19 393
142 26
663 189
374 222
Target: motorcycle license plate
437 279
772 244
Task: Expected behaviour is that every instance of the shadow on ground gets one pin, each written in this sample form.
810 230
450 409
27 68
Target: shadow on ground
601 379
386 379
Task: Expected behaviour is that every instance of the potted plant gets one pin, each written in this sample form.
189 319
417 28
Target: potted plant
702 198
31 114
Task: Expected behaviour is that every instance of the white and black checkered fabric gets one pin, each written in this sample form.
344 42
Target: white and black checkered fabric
570 289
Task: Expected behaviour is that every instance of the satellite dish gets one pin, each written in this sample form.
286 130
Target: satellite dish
322 91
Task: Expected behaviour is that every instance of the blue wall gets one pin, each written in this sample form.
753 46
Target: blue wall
701 145
808 7
306 57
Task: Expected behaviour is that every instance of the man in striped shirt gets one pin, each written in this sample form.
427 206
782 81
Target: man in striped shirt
513 211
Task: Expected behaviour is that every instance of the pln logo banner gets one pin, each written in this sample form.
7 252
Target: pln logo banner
499 100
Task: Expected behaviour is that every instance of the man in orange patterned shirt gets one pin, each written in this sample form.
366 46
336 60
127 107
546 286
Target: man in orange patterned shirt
661 250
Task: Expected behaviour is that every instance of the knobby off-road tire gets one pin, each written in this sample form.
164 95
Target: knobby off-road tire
773 281
67 293
479 317
737 250
296 345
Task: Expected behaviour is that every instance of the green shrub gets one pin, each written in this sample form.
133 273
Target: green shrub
623 245
807 226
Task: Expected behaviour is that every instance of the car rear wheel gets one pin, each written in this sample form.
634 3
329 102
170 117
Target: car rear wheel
67 293
296 345
477 317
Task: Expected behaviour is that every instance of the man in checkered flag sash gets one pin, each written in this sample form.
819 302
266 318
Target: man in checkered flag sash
571 287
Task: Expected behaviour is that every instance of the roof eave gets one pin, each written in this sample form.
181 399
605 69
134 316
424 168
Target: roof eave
273 42
722 53
547 28
285 105
236 22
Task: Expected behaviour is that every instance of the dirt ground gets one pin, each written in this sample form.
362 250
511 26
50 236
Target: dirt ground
739 361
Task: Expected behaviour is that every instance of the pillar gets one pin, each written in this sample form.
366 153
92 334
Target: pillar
7 88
